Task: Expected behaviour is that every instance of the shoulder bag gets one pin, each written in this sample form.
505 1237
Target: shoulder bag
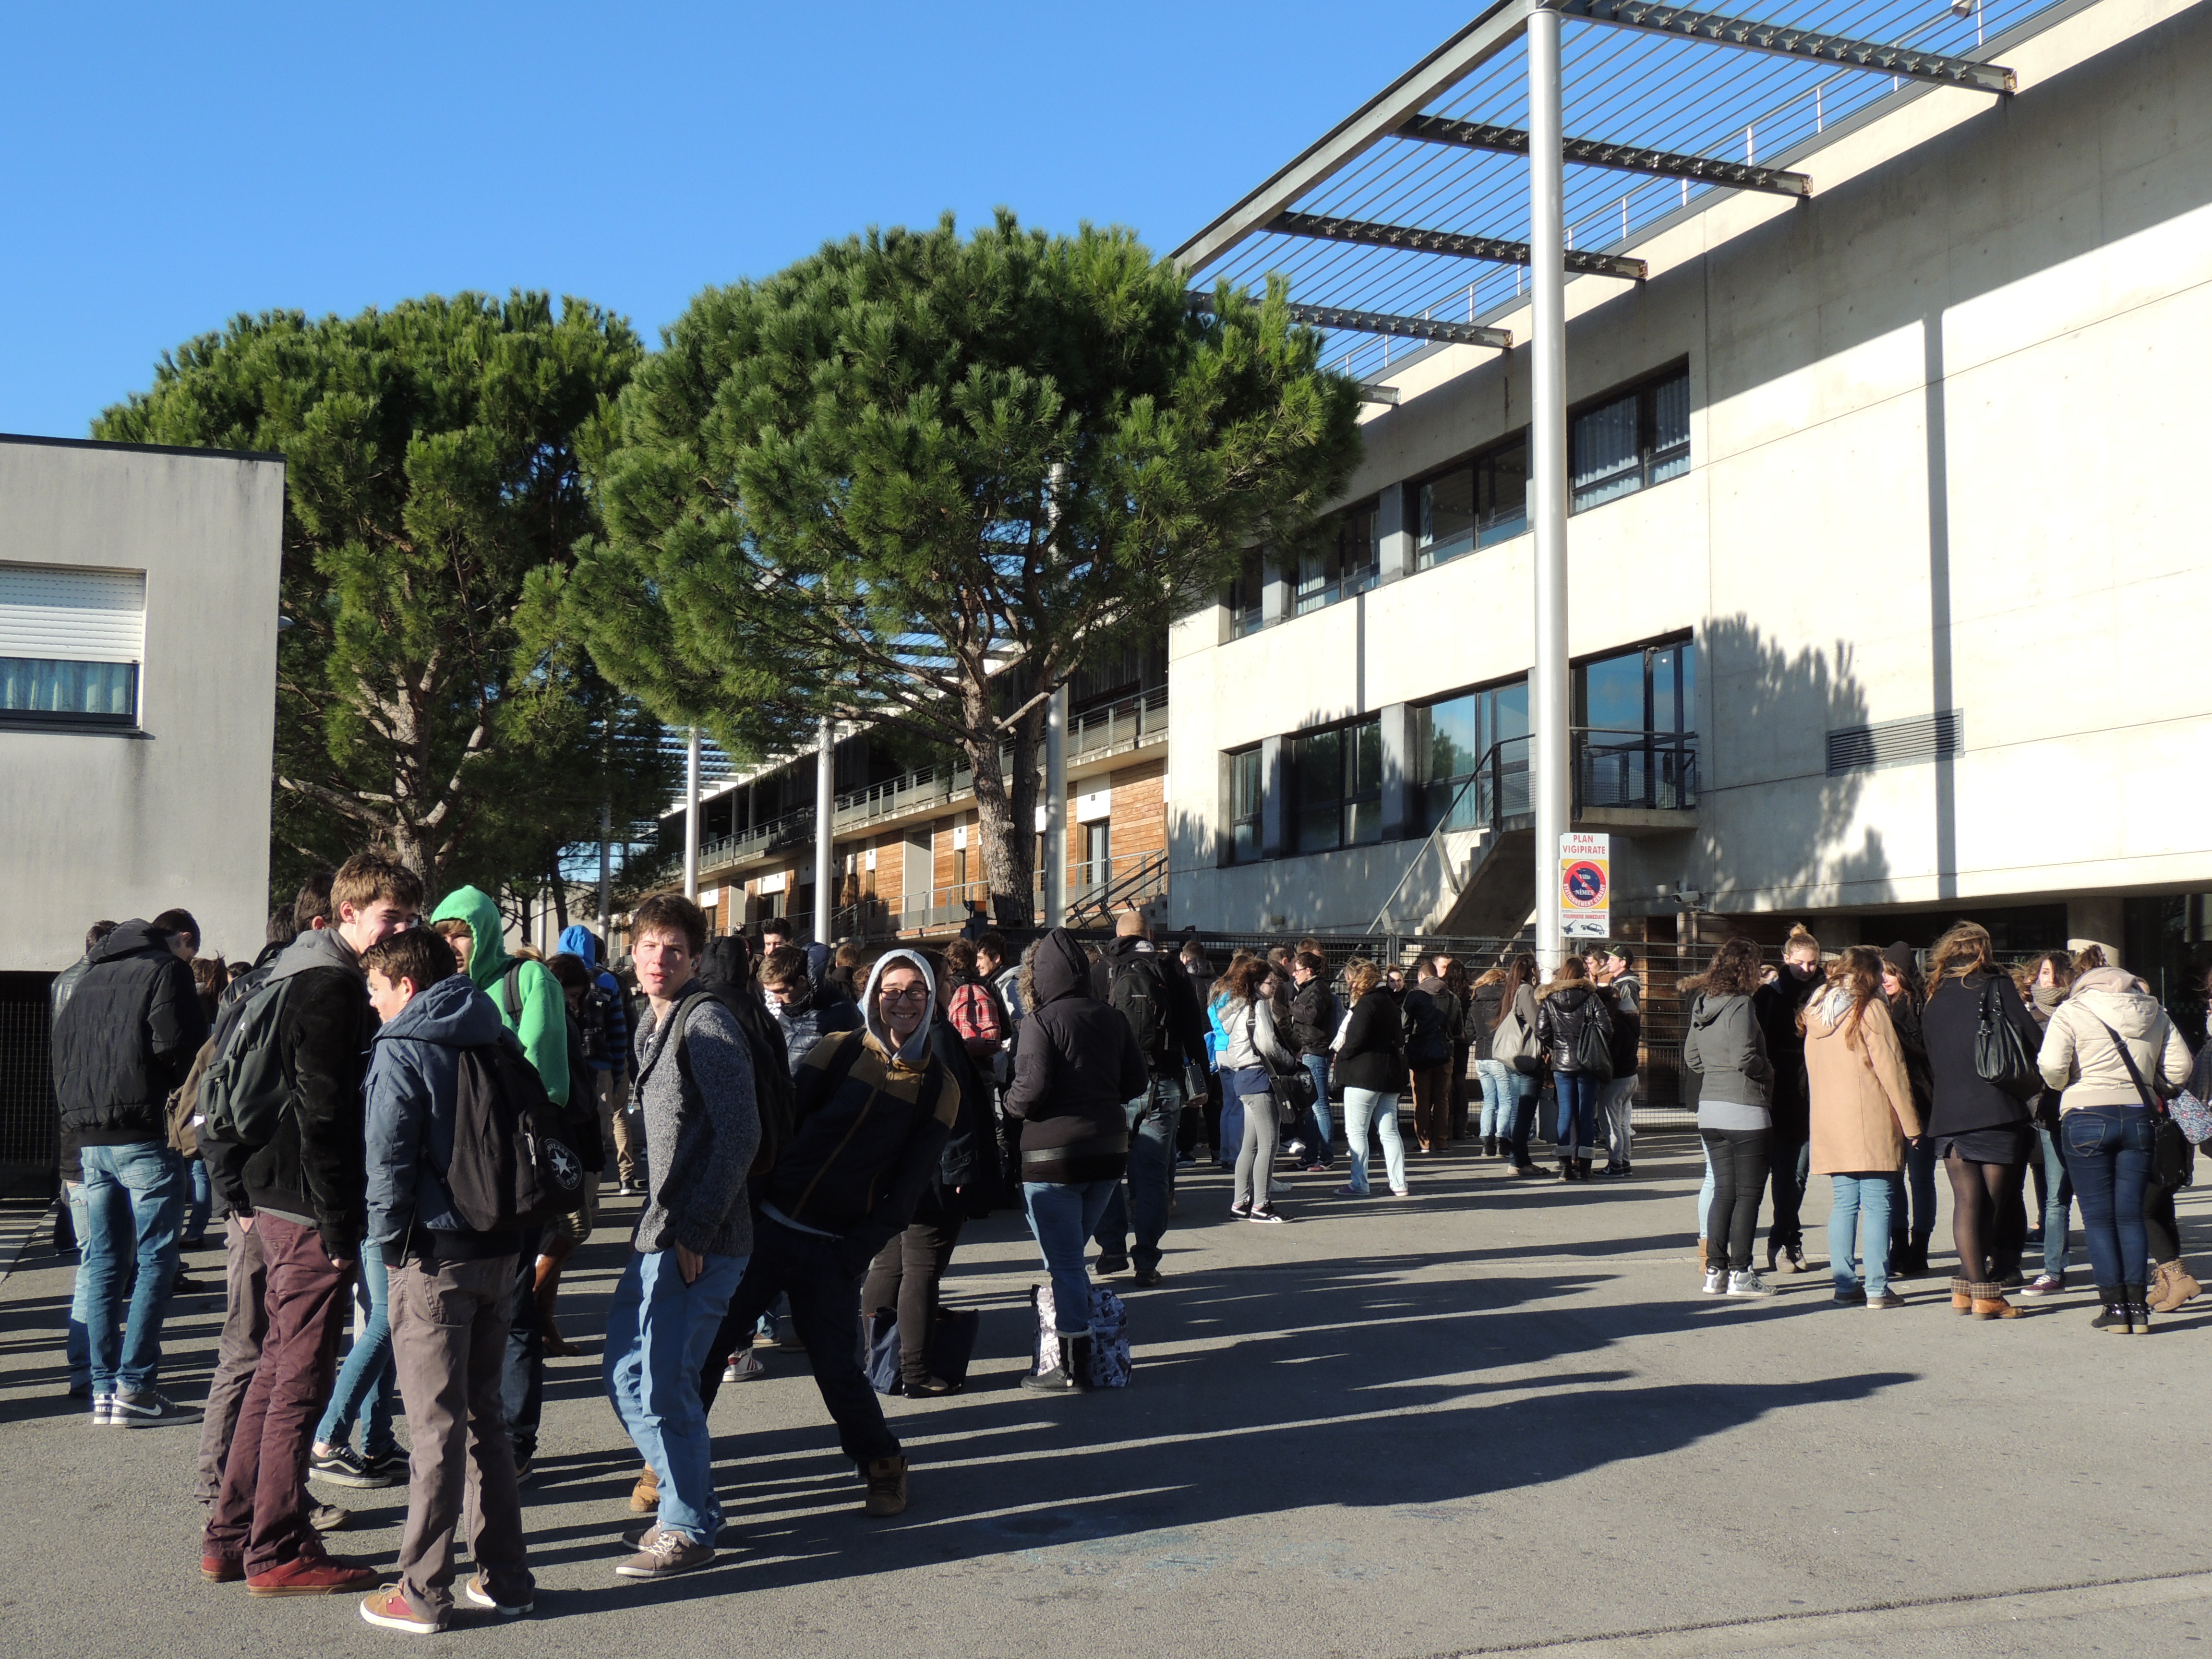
1294 1089
2001 1054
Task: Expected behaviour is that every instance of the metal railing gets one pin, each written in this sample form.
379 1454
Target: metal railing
1144 877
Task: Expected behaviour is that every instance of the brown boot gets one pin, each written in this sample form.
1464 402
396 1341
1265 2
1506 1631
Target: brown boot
2172 1288
551 1257
644 1496
886 1487
1989 1303
1962 1296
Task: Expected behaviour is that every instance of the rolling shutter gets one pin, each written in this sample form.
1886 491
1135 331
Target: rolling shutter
55 614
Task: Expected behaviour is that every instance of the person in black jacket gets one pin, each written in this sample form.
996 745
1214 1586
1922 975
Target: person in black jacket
1776 1006
1901 989
1153 994
69 1225
1371 1061
1568 1007
123 1038
1983 1135
1077 1064
306 1195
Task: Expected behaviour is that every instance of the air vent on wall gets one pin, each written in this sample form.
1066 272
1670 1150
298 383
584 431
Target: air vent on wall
1896 743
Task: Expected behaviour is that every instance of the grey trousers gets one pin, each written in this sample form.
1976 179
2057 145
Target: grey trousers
245 1321
449 1322
1616 1108
1255 1159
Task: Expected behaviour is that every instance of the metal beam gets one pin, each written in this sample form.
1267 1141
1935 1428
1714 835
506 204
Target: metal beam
1498 27
1907 61
1416 240
1385 322
1596 152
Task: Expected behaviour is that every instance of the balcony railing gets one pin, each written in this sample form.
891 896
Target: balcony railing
1653 771
1095 891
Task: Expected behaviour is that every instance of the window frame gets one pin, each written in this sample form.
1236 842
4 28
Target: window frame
1655 462
1338 577
1232 821
1354 804
1488 524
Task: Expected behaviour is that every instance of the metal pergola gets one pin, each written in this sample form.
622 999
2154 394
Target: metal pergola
1522 150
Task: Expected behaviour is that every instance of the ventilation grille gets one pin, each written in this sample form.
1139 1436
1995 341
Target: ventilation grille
1896 743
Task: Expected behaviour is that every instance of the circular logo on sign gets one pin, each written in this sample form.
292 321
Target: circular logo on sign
568 1168
1583 884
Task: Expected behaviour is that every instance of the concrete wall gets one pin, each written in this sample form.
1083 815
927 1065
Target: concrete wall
105 824
1944 414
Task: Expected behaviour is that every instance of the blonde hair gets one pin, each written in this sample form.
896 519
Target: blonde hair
1965 949
1801 937
1361 976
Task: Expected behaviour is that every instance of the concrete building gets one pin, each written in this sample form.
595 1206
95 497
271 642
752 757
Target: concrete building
1885 605
138 620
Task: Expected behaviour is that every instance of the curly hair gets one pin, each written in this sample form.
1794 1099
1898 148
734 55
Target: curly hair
1733 972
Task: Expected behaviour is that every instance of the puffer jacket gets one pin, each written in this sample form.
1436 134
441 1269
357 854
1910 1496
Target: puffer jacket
2080 1056
1563 1011
125 1037
542 1024
1077 1065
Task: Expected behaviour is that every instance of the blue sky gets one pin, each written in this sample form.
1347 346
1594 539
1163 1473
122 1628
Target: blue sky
168 166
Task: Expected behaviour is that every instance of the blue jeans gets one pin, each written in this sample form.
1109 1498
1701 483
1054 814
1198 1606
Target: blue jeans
1366 1111
658 1330
2057 1202
1318 1065
202 1203
365 1386
522 1384
134 1200
1577 1094
1856 1195
78 1345
1062 1215
1498 1095
2108 1152
1154 1117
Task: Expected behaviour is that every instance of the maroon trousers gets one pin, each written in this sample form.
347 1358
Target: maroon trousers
259 1512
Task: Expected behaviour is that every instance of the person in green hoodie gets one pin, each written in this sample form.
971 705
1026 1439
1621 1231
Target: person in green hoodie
531 1005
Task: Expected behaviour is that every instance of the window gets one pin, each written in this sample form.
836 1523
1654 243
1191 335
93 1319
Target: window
1098 854
1476 504
1244 595
1636 438
1244 798
1347 561
1337 787
1636 712
70 642
1452 739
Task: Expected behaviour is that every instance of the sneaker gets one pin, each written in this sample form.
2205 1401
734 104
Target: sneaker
1263 1212
523 1460
391 1460
1886 1299
668 1554
745 1365
2045 1285
328 1517
1716 1281
886 1488
1294 1151
1241 1208
388 1608
147 1409
311 1575
1277 1188
1148 1276
222 1569
342 1466
103 1408
1748 1283
1853 1296
1617 1171
478 1596
1108 1265
1320 1167
1351 1191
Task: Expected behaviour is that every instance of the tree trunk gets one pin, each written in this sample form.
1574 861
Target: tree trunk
1005 813
417 848
560 904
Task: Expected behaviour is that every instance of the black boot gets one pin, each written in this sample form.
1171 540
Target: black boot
1582 1168
1489 1145
2111 1310
2138 1308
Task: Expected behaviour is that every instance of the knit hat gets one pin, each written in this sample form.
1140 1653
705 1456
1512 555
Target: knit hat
1900 956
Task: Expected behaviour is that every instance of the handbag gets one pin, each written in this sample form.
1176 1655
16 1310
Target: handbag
2001 1054
2173 1151
1516 1044
1294 1091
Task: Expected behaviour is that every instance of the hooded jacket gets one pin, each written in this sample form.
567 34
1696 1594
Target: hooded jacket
868 1144
1723 1045
581 942
1563 1009
1076 1066
1861 1096
542 1024
2080 1056
314 1170
1965 1100
124 1038
413 1093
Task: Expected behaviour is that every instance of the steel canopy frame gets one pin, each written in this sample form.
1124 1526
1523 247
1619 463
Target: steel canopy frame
1596 152
1385 322
1494 248
1755 36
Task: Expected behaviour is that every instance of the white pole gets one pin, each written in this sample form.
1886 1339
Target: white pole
691 817
825 830
1547 450
1056 810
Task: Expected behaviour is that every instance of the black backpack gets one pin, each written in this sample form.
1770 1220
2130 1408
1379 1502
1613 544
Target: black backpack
596 1020
772 1095
1139 991
512 1165
582 1113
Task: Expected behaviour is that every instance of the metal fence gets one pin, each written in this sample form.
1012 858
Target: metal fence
29 1130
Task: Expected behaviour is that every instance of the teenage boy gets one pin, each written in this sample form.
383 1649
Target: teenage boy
451 1290
305 1195
695 1081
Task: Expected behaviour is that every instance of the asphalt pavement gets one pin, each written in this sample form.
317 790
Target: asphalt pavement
1494 1416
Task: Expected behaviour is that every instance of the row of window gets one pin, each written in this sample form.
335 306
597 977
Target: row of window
1621 444
1333 775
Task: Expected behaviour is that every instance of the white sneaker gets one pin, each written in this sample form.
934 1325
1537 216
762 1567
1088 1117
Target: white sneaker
1277 1188
1716 1281
1748 1283
744 1366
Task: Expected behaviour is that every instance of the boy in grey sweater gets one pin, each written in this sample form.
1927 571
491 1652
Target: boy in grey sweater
694 1082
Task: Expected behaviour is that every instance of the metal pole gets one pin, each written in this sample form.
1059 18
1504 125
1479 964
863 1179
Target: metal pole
1056 810
691 817
1548 486
606 864
825 830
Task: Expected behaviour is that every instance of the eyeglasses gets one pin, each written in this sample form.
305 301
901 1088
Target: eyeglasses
912 994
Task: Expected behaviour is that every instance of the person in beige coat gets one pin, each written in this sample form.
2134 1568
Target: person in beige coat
2109 1037
1862 1116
